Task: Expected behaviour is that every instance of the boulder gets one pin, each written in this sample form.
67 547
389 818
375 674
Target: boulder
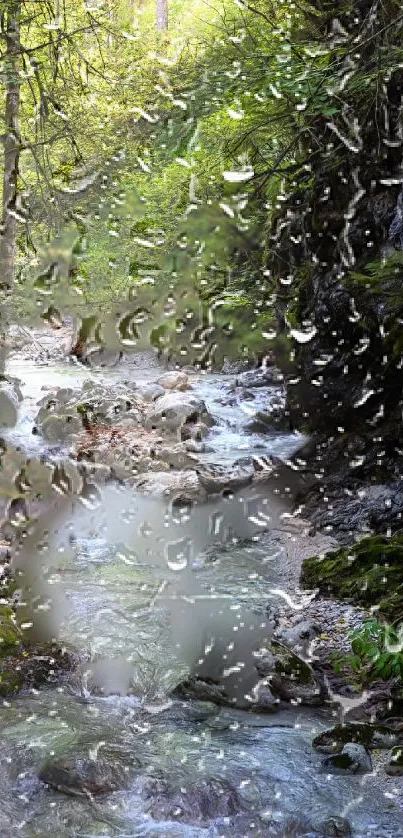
290 678
274 419
67 412
394 764
176 456
174 410
194 431
175 380
204 689
216 479
83 776
332 741
333 827
299 637
261 377
61 427
178 485
150 392
354 759
10 398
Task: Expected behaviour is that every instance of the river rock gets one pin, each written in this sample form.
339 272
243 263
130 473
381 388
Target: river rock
201 689
175 380
332 741
82 776
197 801
150 392
174 410
261 377
290 677
176 456
354 759
394 764
67 412
274 419
299 637
333 827
178 485
59 428
10 398
216 479
194 431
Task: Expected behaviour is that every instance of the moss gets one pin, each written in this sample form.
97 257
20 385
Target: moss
11 682
10 636
369 573
332 741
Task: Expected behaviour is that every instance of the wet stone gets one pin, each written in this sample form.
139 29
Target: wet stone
289 677
333 827
370 736
353 759
82 776
394 765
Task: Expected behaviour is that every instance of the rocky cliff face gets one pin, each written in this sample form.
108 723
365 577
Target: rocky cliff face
336 250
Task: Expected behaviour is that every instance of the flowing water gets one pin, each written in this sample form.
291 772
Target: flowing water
148 593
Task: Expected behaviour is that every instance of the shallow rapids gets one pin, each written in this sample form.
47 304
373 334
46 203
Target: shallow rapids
148 593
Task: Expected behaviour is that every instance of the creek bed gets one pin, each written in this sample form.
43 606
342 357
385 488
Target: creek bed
142 591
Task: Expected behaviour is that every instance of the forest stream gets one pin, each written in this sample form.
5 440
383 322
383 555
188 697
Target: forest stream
146 592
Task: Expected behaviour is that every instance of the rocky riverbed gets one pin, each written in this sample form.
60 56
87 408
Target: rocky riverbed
154 532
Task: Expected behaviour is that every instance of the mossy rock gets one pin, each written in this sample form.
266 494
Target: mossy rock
293 679
394 765
10 636
333 740
369 573
11 681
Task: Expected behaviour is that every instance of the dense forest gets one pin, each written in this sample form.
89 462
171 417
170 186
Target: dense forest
201 267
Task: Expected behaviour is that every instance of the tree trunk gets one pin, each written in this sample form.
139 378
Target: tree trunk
162 15
8 240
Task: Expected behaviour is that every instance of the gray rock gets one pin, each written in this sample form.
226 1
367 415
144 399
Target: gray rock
194 431
10 398
177 456
274 419
150 392
82 776
290 677
394 764
216 479
174 484
172 411
59 428
299 637
175 380
262 377
264 700
354 759
333 827
332 741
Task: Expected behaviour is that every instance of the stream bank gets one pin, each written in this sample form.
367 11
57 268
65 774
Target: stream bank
138 582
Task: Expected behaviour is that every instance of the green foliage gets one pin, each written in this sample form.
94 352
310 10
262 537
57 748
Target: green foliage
377 651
